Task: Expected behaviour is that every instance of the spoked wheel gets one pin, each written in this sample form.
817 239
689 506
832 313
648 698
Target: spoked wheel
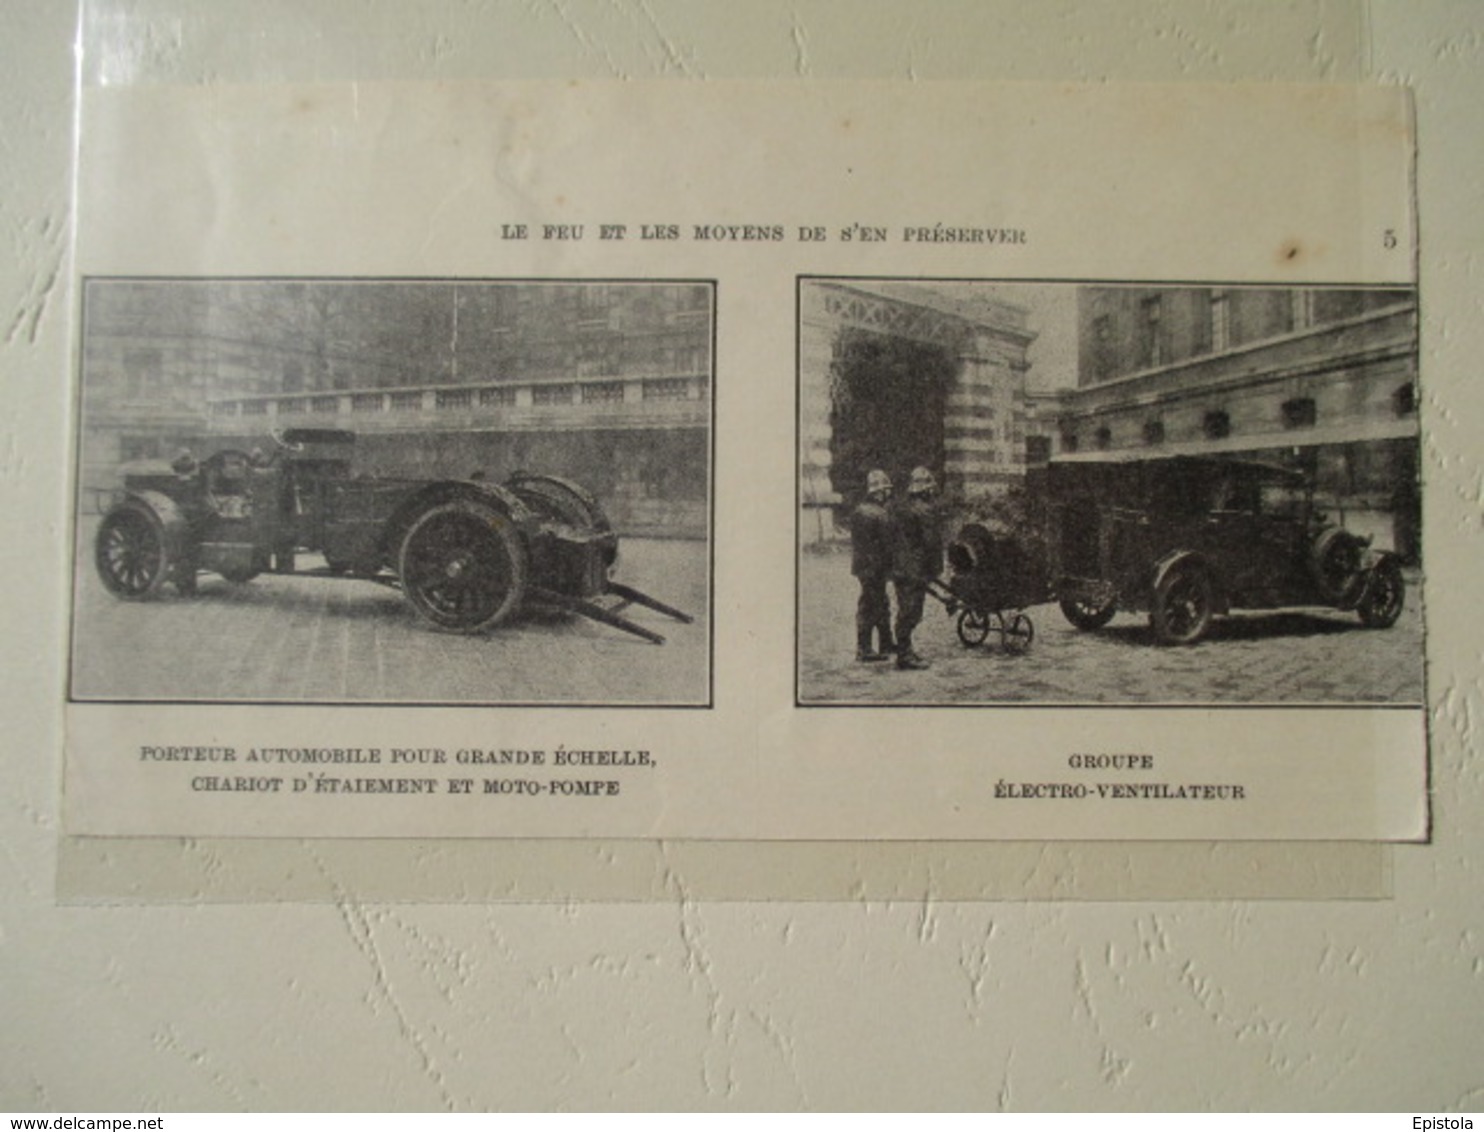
1335 564
1018 635
973 627
1087 614
1183 606
131 554
462 567
566 501
1385 593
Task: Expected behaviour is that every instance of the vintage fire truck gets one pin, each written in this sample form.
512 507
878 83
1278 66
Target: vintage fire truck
467 554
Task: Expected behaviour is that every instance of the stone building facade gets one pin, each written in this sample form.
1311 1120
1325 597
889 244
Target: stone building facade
608 383
896 374
1321 377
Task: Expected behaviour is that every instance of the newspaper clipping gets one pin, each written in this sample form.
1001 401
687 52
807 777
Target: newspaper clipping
747 461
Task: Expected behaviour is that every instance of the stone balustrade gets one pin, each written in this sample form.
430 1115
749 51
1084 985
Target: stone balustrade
563 404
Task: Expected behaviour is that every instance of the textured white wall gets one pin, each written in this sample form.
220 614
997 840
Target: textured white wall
683 1003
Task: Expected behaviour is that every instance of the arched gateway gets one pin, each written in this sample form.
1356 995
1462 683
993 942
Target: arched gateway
898 374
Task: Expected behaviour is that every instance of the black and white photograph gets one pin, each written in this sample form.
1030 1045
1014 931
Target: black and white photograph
394 491
1104 493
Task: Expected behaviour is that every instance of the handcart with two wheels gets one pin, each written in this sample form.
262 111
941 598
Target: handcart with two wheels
991 580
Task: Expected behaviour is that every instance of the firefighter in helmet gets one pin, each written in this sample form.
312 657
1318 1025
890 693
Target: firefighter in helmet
917 559
871 550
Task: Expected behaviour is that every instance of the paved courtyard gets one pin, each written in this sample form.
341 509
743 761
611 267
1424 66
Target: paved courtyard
295 639
1292 656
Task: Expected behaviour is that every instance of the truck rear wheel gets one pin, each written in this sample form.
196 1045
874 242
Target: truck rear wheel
567 503
562 499
1335 564
1086 613
463 567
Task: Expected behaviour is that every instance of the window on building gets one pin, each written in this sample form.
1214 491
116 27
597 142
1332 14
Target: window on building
1300 412
1102 347
691 360
324 404
293 375
593 304
290 405
366 403
1038 449
1104 437
1404 400
1221 322
141 448
142 373
1151 338
695 300
545 359
551 395
597 358
495 397
1217 425
1154 431
1069 442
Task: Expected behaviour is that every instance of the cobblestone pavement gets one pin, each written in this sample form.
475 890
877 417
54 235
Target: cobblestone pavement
1291 656
295 639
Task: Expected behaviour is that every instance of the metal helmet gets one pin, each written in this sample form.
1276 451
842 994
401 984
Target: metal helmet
921 482
877 480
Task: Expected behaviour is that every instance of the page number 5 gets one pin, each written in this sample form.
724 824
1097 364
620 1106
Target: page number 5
1388 238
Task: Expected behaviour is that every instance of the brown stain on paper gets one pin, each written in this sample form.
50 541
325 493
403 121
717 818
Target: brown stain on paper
1294 252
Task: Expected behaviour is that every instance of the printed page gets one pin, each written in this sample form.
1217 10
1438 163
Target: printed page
747 461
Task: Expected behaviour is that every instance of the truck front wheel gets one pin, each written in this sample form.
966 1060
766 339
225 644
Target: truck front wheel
1385 593
131 552
1183 606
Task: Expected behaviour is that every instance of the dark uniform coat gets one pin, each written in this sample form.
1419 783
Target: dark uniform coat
871 541
917 553
917 558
